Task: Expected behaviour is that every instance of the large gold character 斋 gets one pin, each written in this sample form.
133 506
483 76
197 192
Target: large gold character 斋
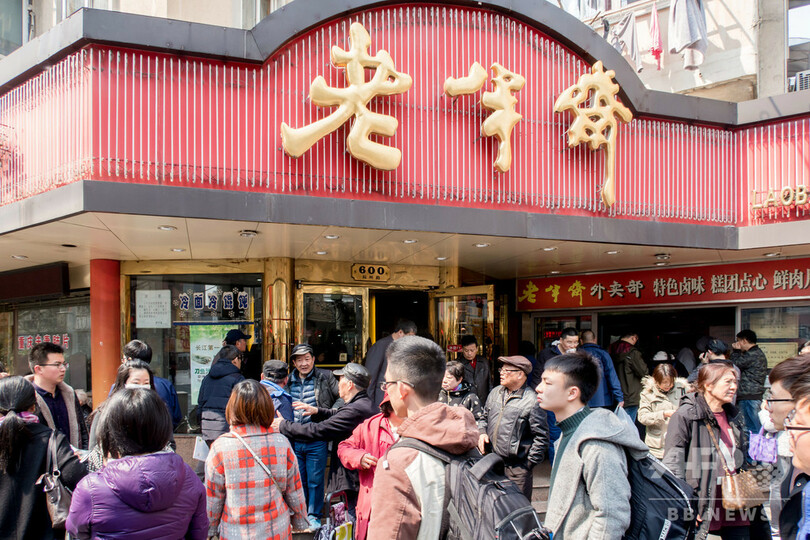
352 101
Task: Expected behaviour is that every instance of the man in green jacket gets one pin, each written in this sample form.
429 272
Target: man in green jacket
631 368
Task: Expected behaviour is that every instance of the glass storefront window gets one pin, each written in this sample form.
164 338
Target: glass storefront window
548 328
184 318
333 326
66 323
781 331
466 311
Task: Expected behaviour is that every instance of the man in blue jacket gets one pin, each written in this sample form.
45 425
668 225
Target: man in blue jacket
609 392
274 376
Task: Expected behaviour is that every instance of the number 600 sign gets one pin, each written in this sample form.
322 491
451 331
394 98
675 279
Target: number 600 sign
370 272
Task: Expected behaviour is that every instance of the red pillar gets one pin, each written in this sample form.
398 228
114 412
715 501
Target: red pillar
105 325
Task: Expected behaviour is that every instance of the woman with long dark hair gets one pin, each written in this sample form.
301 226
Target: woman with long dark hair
143 491
23 459
131 374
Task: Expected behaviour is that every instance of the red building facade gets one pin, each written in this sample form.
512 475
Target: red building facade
120 115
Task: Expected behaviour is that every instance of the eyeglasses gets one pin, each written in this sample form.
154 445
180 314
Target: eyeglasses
384 385
788 423
62 365
771 401
504 370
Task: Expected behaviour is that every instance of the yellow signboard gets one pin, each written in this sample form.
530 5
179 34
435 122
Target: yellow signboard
371 272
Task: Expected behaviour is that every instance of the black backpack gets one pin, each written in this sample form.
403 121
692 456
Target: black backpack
480 503
662 506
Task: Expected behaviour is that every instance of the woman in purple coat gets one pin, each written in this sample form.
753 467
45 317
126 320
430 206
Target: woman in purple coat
143 491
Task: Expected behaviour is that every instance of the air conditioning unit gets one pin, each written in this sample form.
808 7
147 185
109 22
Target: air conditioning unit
802 81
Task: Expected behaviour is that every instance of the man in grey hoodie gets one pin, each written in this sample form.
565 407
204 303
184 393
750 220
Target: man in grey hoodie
590 493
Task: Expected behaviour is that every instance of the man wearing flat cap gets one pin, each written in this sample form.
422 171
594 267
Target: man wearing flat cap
316 388
274 377
334 425
515 425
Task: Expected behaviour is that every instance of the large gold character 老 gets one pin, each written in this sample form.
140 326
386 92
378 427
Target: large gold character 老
352 100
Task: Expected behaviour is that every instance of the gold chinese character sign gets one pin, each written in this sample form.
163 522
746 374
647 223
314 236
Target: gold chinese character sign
595 123
352 101
501 101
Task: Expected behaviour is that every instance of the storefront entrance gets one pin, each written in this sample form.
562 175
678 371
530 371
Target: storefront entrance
660 330
669 330
388 306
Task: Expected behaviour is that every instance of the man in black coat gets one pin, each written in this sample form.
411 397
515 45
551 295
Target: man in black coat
476 368
375 358
336 425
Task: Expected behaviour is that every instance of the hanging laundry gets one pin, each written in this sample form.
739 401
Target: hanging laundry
624 39
687 31
655 36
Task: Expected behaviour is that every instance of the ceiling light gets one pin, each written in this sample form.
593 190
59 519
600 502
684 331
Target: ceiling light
481 245
321 253
662 256
613 252
248 233
550 248
178 250
661 263
773 254
410 241
69 245
19 257
441 258
332 236
167 228
554 272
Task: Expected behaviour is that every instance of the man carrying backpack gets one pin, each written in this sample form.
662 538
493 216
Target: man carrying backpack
409 485
590 492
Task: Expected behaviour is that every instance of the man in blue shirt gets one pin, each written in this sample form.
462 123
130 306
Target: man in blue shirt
139 350
609 392
274 377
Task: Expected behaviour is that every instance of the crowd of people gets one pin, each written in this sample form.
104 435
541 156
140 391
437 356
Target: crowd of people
587 409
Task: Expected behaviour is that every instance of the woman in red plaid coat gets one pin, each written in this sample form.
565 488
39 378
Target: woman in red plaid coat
251 475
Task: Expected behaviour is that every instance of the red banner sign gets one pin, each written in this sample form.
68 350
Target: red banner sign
720 283
454 348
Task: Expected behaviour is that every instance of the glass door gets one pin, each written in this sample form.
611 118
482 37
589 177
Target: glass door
333 319
466 310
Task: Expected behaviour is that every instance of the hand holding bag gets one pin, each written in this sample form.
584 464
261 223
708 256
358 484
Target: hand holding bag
762 448
57 496
740 490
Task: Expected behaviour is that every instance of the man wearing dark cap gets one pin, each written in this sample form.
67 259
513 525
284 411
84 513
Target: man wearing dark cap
516 426
333 425
715 351
316 388
250 368
274 378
